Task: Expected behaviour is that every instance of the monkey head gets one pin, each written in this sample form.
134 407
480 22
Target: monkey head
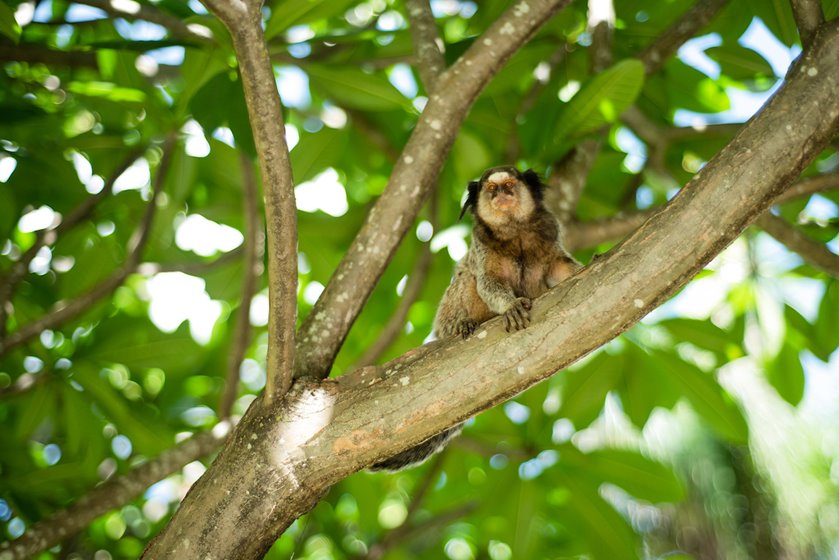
504 195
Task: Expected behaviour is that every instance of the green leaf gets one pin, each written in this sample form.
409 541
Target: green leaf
740 63
586 388
777 15
786 374
107 90
707 397
211 114
297 12
827 324
40 403
8 25
706 335
147 434
137 344
607 533
601 100
355 89
831 9
642 477
317 151
645 385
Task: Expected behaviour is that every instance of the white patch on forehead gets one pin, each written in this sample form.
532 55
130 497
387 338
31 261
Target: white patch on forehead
498 176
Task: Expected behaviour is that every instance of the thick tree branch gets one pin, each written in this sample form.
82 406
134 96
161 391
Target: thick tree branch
428 46
813 252
244 21
286 456
808 17
324 330
252 263
112 494
666 45
66 311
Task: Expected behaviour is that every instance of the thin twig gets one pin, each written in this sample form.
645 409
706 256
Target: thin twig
66 311
569 178
698 16
813 252
427 42
397 535
175 26
113 494
151 268
244 21
252 262
48 237
585 235
413 288
808 17
37 54
601 25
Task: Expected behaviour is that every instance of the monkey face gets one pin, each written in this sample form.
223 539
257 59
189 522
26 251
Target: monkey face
504 195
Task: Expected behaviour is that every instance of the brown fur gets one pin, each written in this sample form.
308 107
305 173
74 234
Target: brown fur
516 256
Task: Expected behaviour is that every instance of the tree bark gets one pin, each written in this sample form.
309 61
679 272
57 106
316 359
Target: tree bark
285 456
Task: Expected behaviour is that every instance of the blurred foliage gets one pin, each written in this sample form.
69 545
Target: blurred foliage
700 433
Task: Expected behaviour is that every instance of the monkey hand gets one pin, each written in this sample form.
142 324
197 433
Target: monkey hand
517 316
466 327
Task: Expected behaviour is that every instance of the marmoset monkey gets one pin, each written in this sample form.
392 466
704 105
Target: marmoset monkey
516 255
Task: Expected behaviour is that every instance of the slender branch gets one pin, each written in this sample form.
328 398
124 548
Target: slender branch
808 17
135 10
810 185
601 25
512 149
252 262
23 383
150 268
244 21
413 288
393 328
571 173
666 45
813 252
397 535
112 494
324 330
66 311
48 237
428 46
569 179
406 533
585 235
363 123
37 54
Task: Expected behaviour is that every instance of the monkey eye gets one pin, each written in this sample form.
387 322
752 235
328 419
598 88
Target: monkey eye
510 183
491 187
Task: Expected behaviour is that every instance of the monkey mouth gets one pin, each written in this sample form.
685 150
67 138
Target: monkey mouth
503 200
